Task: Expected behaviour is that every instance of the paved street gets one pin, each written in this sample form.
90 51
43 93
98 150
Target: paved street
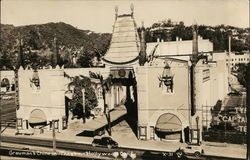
121 133
66 149
8 112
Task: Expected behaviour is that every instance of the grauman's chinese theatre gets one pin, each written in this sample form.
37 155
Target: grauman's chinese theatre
156 89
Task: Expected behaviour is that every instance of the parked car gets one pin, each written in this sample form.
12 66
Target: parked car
193 150
105 141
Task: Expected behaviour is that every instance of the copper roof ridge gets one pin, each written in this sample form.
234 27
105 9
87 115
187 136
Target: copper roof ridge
125 15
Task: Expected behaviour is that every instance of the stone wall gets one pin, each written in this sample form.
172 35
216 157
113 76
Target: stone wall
49 97
154 101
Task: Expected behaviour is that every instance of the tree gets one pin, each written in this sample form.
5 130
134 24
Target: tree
35 60
79 83
106 87
85 60
5 61
35 40
242 73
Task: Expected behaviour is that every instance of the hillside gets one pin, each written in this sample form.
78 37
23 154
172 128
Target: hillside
168 31
78 47
39 39
66 34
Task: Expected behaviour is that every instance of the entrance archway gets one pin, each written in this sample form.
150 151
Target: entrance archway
124 90
169 127
37 118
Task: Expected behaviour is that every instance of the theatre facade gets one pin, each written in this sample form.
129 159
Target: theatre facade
153 91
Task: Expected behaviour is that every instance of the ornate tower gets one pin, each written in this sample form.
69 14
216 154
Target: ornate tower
125 43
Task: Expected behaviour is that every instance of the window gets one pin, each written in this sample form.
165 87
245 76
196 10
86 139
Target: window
19 123
152 132
64 122
143 132
194 133
56 124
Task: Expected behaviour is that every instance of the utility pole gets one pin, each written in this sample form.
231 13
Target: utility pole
229 60
193 77
142 55
54 135
83 105
248 110
55 56
20 63
194 60
109 124
198 130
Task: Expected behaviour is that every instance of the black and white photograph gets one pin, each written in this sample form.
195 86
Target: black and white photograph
124 79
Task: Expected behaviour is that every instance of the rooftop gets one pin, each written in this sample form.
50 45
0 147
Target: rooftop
125 42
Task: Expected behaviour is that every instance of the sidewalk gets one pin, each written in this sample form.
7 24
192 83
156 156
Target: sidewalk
225 149
125 137
122 135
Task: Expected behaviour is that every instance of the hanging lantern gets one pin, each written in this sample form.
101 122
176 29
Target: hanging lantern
35 79
167 78
166 72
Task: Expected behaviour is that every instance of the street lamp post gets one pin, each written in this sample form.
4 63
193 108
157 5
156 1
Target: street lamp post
198 131
248 111
109 124
54 135
83 105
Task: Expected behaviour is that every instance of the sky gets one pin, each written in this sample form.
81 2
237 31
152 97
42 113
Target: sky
99 15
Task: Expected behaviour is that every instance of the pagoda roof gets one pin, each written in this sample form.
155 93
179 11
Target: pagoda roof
125 43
